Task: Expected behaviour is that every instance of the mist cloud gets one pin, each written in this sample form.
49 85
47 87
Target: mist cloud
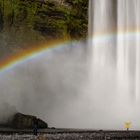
66 89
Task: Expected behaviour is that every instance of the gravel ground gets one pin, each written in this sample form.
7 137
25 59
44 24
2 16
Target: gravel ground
75 136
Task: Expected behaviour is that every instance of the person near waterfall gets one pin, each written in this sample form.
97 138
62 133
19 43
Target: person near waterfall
35 126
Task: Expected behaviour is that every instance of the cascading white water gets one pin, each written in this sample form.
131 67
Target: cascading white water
114 26
102 20
119 19
128 53
138 51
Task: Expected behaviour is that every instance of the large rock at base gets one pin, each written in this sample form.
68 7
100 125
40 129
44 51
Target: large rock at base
22 121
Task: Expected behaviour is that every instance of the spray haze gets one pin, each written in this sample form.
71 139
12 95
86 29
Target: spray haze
48 85
84 86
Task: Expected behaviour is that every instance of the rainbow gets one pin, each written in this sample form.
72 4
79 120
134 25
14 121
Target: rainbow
35 50
30 53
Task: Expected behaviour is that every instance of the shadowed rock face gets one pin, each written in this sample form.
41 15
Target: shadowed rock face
22 121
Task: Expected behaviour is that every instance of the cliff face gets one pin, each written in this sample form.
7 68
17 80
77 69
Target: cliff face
25 22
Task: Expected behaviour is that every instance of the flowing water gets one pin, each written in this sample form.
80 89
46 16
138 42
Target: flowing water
114 27
120 20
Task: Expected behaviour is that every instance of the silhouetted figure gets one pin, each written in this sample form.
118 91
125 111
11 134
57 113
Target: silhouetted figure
35 126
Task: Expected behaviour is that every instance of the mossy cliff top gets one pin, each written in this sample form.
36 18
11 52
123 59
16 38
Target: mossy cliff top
24 22
52 18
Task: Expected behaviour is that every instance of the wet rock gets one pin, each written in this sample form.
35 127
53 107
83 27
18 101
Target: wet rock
22 121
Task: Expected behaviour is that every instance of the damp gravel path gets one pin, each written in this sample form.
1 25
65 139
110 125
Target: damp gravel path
97 135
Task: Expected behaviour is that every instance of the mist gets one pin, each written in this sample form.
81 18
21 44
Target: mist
92 84
47 86
61 87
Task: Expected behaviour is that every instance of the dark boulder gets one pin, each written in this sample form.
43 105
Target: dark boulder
22 121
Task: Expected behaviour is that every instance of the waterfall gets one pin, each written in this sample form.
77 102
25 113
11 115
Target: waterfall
128 43
120 21
114 75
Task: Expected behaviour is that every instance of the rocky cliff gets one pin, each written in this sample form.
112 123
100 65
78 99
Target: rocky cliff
25 22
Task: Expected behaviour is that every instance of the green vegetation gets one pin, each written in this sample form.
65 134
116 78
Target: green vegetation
48 17
27 22
77 18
